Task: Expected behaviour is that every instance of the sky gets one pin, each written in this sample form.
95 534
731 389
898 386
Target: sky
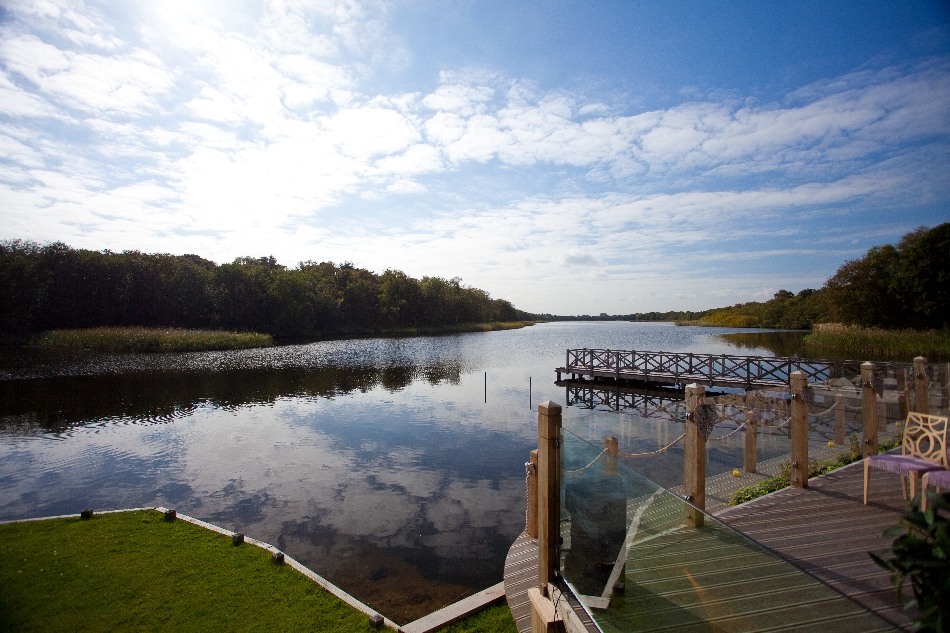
571 157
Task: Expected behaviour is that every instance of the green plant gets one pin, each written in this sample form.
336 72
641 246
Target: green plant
921 553
783 478
494 619
855 446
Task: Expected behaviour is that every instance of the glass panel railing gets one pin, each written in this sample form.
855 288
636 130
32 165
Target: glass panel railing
630 557
648 426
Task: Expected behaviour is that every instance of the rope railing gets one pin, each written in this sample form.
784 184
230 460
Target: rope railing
726 437
529 470
657 452
580 470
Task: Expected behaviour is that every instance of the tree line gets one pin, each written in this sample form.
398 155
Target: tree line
53 286
895 286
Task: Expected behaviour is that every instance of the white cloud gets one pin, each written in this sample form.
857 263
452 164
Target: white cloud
197 127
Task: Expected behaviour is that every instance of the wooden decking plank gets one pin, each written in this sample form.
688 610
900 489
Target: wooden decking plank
681 580
521 573
834 551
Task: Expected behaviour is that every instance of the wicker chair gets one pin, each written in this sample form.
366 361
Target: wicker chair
924 450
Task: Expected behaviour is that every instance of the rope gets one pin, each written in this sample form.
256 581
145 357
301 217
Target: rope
825 412
662 450
580 470
529 469
734 431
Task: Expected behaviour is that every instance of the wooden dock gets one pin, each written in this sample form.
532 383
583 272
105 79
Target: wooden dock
827 531
521 573
688 579
721 370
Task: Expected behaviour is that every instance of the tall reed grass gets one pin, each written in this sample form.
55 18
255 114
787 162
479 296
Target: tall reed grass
864 342
141 339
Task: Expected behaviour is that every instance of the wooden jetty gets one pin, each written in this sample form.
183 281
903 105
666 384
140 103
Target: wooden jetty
827 531
720 370
695 580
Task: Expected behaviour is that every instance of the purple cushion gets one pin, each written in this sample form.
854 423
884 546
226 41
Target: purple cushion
939 478
902 465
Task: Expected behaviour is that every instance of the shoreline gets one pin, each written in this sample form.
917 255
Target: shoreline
141 340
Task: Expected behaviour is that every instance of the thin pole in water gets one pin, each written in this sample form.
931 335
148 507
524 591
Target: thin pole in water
486 387
529 393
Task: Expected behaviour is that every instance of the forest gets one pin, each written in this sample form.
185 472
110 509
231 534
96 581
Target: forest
53 286
902 286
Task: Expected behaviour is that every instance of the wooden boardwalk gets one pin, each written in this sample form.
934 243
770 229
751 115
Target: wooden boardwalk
521 573
687 579
827 531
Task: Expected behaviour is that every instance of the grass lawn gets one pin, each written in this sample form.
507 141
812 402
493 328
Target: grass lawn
133 571
496 619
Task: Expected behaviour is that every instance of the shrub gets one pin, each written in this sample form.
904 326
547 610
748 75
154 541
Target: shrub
921 553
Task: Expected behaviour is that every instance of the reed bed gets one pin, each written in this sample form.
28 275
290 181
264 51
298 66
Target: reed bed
861 342
141 339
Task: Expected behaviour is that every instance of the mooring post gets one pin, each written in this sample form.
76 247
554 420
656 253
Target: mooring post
868 409
532 520
694 458
549 491
901 374
840 411
921 386
799 430
612 446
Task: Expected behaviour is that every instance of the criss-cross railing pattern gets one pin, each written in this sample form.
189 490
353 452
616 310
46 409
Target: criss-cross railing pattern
721 370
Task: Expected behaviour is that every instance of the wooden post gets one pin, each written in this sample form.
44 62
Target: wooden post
921 386
549 491
901 375
544 618
840 411
799 430
532 523
751 431
868 409
944 379
612 446
694 459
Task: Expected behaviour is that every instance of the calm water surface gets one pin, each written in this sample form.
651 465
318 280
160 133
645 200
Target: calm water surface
378 463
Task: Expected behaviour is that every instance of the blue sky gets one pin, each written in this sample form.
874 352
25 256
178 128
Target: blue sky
573 157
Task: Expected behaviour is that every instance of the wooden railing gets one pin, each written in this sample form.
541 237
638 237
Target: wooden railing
708 369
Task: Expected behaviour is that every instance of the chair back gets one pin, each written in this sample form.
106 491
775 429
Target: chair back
925 437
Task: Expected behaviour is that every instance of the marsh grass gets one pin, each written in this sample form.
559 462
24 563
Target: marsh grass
133 571
860 342
141 339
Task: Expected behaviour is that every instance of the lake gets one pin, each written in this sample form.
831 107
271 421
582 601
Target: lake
392 467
